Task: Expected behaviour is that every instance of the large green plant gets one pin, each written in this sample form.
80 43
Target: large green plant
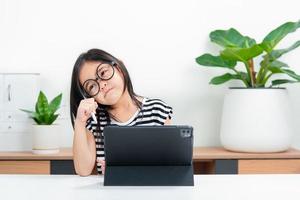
45 112
239 48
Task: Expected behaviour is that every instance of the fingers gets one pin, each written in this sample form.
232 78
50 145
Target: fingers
89 105
86 108
103 169
90 101
102 164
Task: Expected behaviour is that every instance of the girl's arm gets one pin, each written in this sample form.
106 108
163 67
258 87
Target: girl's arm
84 146
84 150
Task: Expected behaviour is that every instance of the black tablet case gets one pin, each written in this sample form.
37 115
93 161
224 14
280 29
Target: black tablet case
148 156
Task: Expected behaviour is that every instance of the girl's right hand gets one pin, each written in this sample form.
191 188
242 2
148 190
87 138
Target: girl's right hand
101 162
85 108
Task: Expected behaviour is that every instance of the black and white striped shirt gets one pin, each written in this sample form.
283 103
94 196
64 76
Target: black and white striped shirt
153 112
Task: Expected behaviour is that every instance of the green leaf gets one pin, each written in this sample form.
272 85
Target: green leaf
244 75
278 64
275 54
282 81
216 61
291 74
41 103
52 119
37 118
47 115
44 114
249 42
32 114
223 78
274 37
276 67
286 71
275 70
27 111
55 103
231 38
37 121
241 54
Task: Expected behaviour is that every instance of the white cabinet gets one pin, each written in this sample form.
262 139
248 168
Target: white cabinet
17 91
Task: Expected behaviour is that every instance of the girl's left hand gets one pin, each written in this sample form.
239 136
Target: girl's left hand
101 162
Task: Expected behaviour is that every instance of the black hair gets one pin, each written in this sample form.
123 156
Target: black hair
76 88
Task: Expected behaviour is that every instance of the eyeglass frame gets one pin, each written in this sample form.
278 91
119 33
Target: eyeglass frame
112 64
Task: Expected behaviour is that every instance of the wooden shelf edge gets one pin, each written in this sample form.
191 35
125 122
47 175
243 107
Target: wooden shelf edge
200 154
209 153
64 154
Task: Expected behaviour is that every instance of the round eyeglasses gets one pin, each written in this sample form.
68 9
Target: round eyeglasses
105 71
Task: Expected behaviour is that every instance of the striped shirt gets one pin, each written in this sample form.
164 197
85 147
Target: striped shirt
153 112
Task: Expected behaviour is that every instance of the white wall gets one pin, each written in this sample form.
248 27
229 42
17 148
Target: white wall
157 40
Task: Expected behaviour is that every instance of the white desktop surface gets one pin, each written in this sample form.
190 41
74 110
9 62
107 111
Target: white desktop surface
231 187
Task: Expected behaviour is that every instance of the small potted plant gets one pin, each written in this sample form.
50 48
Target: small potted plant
45 132
256 116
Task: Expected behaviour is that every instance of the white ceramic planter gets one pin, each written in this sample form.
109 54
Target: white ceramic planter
256 120
45 139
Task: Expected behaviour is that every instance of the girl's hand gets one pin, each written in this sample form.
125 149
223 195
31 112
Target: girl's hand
85 108
101 162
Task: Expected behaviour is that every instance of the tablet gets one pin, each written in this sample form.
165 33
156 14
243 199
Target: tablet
148 155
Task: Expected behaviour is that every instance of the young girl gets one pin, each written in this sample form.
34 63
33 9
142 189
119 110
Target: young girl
102 94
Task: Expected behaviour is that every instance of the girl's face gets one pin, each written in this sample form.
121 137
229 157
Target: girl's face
110 91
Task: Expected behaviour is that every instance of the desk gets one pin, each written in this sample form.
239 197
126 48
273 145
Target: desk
219 187
217 160
207 160
28 163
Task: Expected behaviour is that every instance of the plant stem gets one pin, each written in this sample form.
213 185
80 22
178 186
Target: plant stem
263 70
266 78
249 73
259 75
244 81
252 72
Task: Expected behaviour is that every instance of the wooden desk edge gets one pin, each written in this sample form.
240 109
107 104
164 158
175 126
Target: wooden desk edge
199 154
64 154
213 153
